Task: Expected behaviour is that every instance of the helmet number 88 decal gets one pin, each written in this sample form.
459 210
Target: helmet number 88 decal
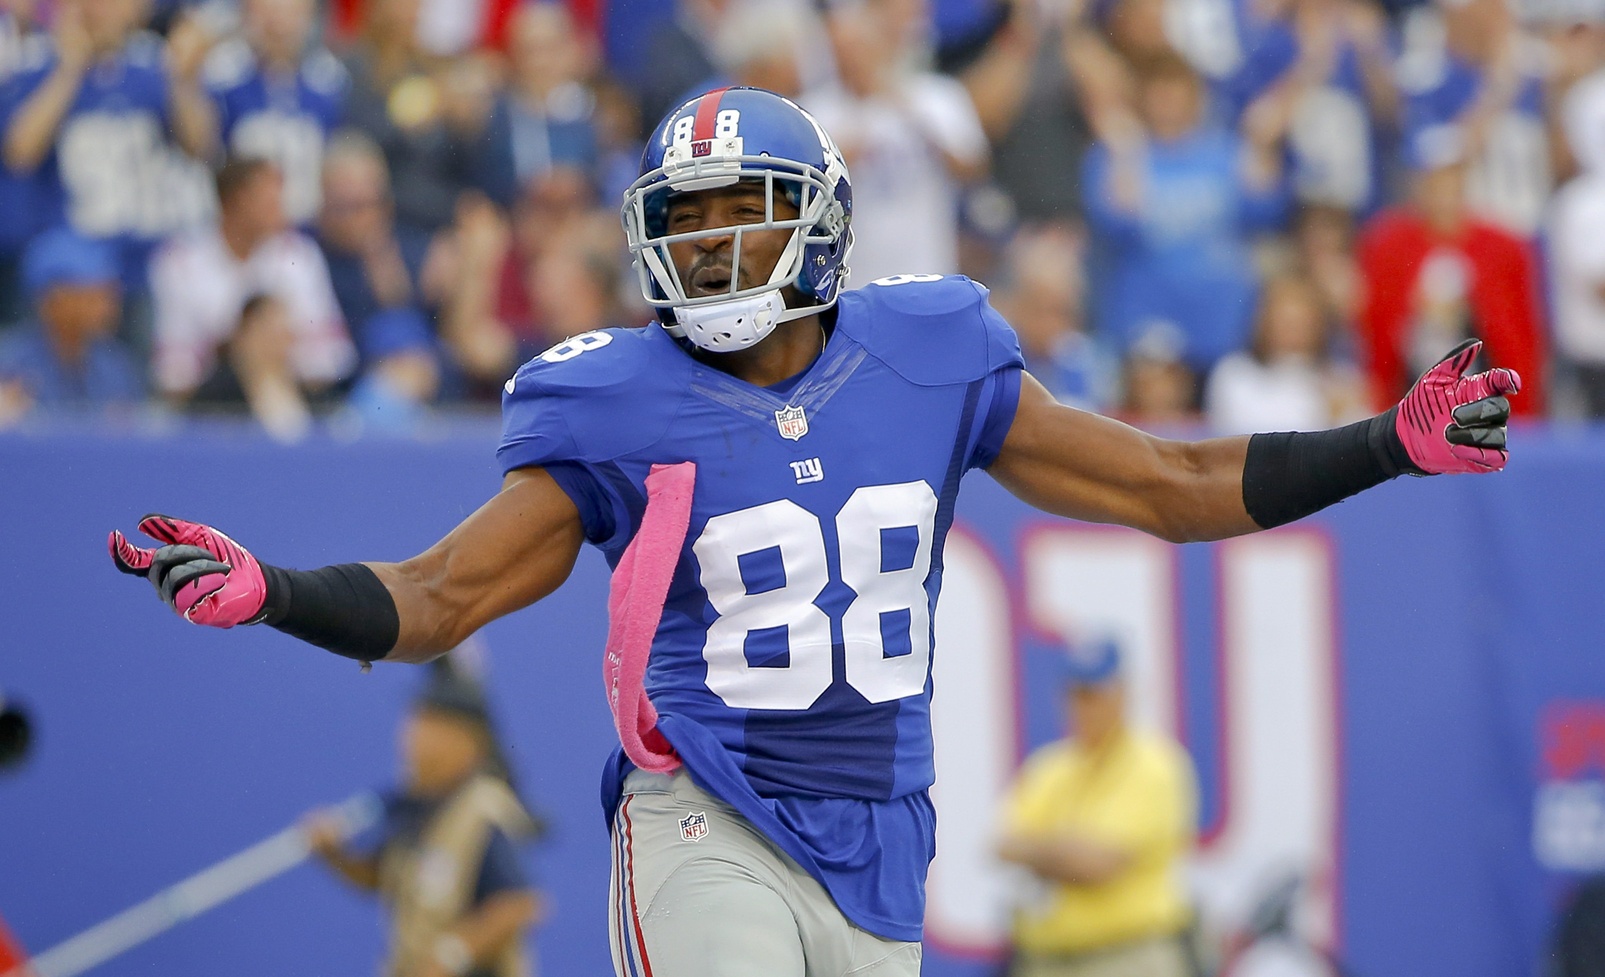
726 125
785 531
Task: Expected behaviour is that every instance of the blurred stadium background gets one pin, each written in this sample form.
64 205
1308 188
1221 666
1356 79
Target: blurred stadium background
1202 215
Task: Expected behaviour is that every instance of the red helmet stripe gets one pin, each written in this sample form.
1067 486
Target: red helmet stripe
707 113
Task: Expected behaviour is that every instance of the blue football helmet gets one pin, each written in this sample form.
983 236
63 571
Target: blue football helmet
715 140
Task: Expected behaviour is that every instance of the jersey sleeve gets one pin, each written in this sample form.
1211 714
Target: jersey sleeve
999 399
573 411
1000 392
534 433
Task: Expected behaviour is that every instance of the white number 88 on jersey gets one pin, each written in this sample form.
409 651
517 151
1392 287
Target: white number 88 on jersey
797 535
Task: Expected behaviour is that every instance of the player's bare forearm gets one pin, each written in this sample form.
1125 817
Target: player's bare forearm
1084 466
517 548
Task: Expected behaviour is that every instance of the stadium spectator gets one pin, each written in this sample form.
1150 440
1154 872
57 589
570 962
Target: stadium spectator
374 264
1435 274
22 42
911 139
762 44
1171 204
1045 86
618 139
446 28
1041 295
1469 65
387 280
445 859
1104 819
490 310
1574 35
276 99
544 119
1318 81
66 359
1203 33
202 279
253 372
1157 387
1577 250
90 118
422 112
679 57
499 313
576 290
1323 242
1288 379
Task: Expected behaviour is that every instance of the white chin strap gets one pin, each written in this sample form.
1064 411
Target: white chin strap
724 327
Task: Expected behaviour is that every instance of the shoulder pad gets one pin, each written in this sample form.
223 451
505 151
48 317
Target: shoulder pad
228 64
323 73
931 330
592 398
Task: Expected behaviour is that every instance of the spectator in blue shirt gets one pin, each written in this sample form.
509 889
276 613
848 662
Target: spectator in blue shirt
544 118
378 270
1043 296
65 361
1171 207
1318 80
277 100
1470 66
91 118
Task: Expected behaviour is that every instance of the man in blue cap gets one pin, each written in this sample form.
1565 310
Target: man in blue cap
66 360
1104 819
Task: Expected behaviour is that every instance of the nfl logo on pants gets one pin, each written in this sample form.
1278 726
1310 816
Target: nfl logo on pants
694 827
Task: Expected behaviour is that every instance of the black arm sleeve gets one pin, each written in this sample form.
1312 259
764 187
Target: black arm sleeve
1288 476
345 609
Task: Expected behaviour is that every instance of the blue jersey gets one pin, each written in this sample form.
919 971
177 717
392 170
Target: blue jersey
791 669
1332 143
1509 180
113 172
284 118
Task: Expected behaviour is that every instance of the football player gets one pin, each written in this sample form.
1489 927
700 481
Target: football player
771 469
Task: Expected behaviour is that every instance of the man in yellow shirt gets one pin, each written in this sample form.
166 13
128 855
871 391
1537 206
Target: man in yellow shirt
1104 818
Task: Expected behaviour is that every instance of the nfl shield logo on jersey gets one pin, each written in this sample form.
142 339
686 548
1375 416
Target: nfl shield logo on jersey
793 423
694 827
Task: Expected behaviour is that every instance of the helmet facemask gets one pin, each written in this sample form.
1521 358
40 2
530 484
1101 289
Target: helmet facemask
737 317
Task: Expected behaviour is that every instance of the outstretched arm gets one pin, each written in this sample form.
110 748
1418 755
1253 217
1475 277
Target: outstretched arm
1083 466
516 549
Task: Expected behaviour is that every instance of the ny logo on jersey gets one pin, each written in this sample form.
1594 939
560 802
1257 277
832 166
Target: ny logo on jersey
694 827
793 423
809 470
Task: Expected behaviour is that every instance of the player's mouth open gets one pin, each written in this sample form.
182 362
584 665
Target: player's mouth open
709 281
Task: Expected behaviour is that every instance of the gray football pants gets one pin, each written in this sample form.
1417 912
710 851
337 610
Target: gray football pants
698 892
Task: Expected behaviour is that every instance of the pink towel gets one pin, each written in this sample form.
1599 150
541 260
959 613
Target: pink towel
634 608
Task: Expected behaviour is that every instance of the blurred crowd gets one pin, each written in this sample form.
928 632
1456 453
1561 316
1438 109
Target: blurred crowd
1260 214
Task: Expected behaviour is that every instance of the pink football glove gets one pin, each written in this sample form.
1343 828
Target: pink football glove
1451 423
199 572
